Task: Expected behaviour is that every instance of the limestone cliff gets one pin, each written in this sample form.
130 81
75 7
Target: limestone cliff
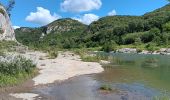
6 30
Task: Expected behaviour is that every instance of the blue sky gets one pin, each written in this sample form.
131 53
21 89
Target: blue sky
86 11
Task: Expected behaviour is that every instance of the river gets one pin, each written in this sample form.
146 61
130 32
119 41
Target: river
131 76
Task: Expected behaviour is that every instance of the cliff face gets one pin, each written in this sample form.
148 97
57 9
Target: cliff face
6 30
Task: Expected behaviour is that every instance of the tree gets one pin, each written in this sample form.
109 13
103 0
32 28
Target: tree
166 27
10 6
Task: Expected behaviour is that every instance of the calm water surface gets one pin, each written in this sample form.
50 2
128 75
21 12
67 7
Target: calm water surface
131 76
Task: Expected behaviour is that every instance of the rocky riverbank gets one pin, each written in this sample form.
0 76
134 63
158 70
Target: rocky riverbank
163 51
65 66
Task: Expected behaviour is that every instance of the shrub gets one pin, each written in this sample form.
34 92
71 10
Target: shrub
109 47
139 50
2 53
157 40
129 40
161 98
155 31
151 47
15 70
52 42
166 27
106 88
15 66
147 37
1 31
52 54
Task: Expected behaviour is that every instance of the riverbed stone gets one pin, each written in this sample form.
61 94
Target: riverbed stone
127 50
167 50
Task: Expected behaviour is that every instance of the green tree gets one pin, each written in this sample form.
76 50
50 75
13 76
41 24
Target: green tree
155 31
166 27
111 46
10 6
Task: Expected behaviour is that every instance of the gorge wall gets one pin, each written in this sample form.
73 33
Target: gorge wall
6 29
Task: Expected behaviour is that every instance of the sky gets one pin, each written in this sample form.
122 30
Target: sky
35 13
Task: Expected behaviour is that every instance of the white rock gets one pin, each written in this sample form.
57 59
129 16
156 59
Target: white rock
104 62
127 50
7 32
25 96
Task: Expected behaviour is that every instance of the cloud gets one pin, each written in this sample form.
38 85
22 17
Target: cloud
112 13
87 18
42 16
80 5
15 27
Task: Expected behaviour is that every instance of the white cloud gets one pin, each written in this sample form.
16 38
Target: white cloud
112 13
80 5
15 27
87 18
42 16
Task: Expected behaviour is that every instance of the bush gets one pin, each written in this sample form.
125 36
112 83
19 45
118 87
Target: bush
147 37
151 47
166 27
16 65
105 88
2 53
109 47
129 40
139 50
1 31
15 70
52 42
155 31
52 54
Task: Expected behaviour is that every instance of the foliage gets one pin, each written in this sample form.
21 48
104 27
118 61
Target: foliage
161 98
10 6
151 47
106 88
7 45
12 71
166 27
52 54
17 65
2 12
93 58
64 37
1 31
109 47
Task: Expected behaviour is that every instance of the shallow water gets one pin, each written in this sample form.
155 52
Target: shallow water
131 76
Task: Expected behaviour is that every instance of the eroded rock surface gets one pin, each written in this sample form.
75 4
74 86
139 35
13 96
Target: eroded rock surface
6 30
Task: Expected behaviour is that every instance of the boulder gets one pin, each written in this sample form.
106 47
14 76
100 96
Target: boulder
167 50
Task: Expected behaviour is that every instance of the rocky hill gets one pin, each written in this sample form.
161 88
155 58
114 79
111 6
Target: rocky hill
151 28
56 32
64 25
6 30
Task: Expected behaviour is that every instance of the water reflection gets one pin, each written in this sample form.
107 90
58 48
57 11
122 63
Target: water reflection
151 70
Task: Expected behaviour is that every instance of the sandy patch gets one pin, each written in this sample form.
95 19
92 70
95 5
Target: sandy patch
25 96
65 66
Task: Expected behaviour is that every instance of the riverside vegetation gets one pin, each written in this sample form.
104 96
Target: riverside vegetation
14 69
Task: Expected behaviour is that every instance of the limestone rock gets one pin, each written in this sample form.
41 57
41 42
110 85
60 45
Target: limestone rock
127 50
6 30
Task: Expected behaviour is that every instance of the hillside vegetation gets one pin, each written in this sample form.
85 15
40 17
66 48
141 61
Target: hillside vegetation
147 31
61 33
